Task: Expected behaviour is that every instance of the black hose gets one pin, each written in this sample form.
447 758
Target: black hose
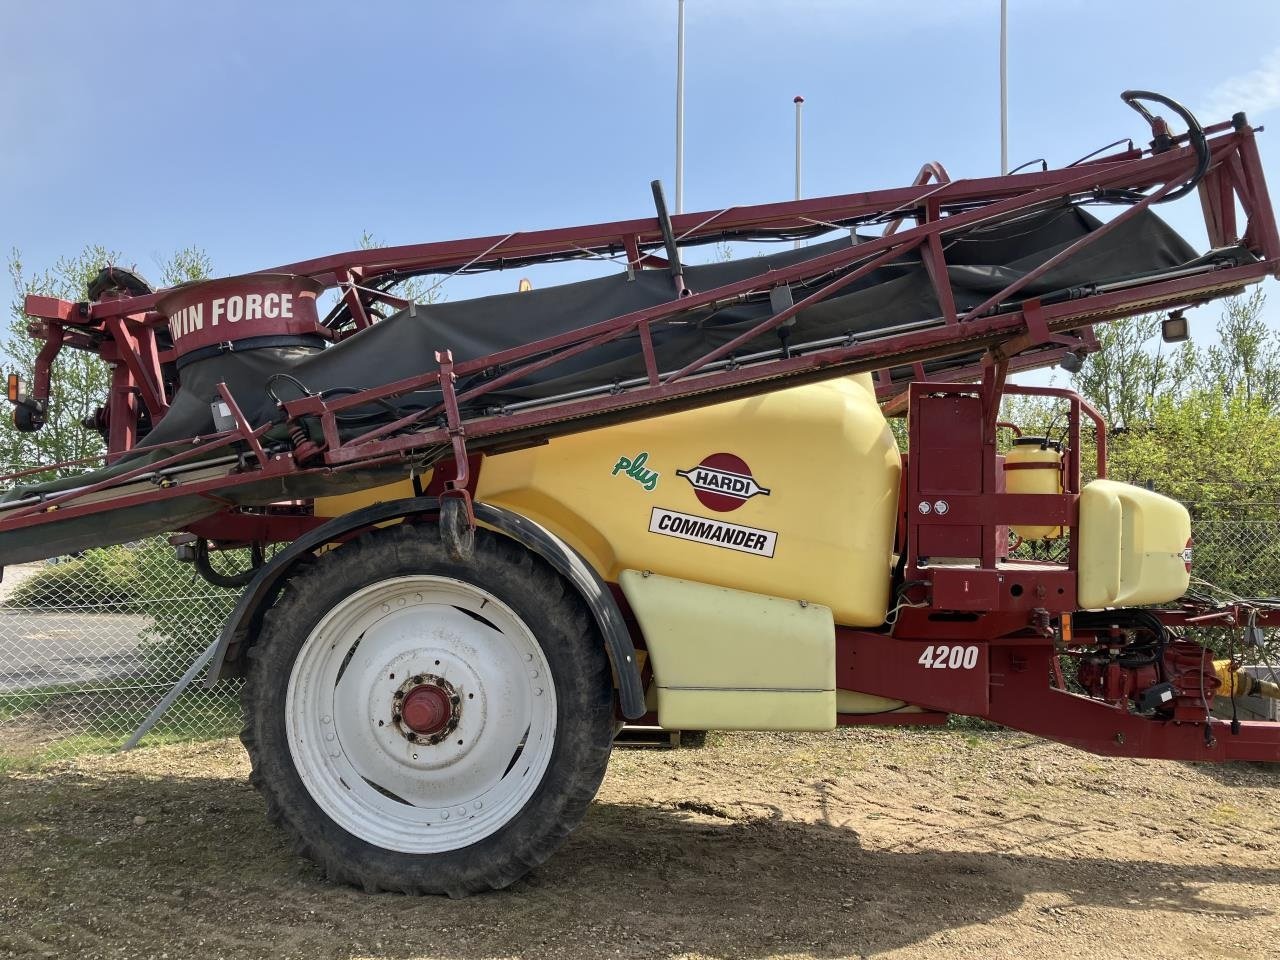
230 581
1163 141
1090 156
271 380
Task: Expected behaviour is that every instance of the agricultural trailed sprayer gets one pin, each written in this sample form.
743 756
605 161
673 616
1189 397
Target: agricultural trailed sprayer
513 522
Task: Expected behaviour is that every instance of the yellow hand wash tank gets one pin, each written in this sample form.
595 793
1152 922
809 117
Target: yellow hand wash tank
1034 465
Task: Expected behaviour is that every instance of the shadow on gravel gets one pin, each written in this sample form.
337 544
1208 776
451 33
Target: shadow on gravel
205 876
1241 773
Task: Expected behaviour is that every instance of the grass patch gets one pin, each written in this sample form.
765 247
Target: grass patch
38 727
971 724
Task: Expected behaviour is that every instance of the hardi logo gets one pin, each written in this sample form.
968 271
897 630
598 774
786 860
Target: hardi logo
723 482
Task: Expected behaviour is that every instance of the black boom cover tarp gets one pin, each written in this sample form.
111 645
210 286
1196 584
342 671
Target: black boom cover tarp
980 262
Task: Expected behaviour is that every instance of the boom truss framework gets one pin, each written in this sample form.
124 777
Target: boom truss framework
1221 162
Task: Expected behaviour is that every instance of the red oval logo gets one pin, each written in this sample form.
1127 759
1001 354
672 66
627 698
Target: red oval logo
723 482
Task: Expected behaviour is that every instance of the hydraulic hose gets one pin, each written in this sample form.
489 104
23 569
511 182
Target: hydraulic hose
230 581
1163 140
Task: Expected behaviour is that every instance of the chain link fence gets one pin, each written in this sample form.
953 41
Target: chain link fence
1237 547
90 644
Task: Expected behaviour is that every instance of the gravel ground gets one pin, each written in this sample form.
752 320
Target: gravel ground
860 843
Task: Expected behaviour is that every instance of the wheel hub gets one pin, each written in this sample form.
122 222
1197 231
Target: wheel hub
426 708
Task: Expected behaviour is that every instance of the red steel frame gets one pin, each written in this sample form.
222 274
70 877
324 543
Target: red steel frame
1016 616
1017 636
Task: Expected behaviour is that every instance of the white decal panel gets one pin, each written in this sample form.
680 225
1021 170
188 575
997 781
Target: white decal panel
714 533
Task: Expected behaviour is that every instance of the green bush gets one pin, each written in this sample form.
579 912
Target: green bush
105 578
186 612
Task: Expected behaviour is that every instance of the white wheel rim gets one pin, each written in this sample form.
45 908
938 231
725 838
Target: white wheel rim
360 765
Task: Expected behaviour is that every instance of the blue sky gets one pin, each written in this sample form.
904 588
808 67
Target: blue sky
271 132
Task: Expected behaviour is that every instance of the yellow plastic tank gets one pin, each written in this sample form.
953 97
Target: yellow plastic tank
1034 465
1135 547
790 494
715 656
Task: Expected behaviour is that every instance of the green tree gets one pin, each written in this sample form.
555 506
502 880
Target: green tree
1135 369
188 265
80 378
1203 447
1200 423
1246 358
1132 368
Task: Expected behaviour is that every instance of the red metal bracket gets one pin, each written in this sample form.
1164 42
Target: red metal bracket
54 335
138 353
457 517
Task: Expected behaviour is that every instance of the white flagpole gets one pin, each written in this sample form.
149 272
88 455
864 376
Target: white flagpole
1004 86
680 108
799 102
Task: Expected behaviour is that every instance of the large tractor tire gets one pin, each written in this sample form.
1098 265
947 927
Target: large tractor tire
425 725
